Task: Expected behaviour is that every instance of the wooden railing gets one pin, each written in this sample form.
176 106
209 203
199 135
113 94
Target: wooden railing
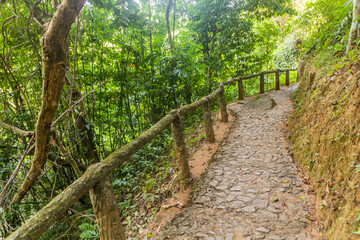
43 219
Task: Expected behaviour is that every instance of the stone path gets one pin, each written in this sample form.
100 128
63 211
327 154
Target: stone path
251 190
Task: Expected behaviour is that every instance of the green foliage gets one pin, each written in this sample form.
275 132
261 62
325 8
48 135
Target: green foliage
214 41
326 25
88 231
356 225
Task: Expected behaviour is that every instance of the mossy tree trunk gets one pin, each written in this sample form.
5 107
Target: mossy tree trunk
53 77
107 213
210 136
222 105
241 89
182 155
43 219
102 196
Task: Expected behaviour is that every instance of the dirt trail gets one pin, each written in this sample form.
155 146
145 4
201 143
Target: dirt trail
252 190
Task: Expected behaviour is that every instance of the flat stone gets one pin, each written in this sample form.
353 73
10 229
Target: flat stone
244 190
237 204
244 199
262 102
230 198
221 188
229 236
261 203
249 209
214 183
236 188
203 199
199 234
263 230
252 191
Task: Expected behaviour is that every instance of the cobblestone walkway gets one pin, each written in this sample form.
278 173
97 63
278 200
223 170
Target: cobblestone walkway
251 190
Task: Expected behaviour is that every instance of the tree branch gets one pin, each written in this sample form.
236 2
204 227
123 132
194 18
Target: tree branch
53 76
15 129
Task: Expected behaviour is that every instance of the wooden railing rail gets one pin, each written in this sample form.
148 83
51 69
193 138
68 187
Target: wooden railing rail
34 227
262 82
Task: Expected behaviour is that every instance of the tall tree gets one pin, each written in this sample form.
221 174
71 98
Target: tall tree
53 75
54 70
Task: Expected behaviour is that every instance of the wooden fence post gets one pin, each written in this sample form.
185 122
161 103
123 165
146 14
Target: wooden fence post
210 136
277 80
241 89
222 105
287 81
262 83
182 155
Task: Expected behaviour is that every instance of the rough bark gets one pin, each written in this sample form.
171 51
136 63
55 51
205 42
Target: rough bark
106 211
262 83
42 220
241 89
277 80
182 155
354 26
222 105
102 196
209 130
53 75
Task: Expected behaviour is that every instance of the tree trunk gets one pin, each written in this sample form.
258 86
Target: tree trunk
354 26
241 89
209 130
43 219
222 105
102 197
168 24
151 47
53 75
106 211
262 88
182 155
172 46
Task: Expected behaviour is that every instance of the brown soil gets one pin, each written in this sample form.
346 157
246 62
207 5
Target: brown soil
316 229
324 131
199 162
